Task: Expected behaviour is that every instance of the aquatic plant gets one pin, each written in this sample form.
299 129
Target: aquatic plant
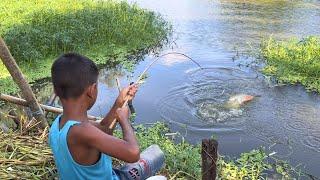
294 61
250 165
109 32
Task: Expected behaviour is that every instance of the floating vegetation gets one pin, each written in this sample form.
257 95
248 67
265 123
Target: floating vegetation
109 32
294 61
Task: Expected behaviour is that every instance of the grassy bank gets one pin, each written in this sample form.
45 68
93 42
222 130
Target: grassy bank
294 61
30 157
106 31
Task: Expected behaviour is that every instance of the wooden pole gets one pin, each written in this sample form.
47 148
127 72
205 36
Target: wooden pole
50 103
22 83
209 155
23 102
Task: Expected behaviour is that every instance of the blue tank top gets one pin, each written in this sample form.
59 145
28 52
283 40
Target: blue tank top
68 168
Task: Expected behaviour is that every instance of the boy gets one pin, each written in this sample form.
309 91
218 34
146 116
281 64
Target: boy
82 148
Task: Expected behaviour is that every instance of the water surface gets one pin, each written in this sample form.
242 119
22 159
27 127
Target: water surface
220 35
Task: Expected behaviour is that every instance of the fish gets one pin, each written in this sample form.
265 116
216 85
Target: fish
238 100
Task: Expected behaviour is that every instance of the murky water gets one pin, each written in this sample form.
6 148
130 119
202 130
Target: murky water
219 35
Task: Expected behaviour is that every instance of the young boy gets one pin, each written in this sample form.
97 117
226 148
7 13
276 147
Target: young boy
83 149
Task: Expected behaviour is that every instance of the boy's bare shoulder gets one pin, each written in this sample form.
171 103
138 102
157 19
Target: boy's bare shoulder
83 131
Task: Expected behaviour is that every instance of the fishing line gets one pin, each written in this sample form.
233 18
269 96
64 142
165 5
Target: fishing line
113 123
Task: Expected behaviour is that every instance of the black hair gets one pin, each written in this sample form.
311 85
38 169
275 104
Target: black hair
71 74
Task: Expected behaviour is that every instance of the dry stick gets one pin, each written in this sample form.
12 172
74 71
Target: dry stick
131 108
51 102
113 123
23 102
22 83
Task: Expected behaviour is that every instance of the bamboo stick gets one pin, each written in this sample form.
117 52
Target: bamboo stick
22 83
113 123
23 102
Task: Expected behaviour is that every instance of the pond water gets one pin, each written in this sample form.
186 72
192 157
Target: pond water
220 35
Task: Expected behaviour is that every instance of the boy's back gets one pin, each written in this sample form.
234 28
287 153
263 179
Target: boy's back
68 168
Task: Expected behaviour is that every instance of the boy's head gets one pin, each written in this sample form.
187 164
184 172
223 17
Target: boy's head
75 77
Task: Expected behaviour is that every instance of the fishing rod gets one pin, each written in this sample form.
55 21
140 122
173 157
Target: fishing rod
113 123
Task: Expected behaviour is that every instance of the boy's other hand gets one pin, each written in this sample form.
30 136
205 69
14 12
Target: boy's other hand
123 114
127 93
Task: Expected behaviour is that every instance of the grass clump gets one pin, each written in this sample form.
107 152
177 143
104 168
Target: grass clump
294 61
25 157
250 165
106 31
183 160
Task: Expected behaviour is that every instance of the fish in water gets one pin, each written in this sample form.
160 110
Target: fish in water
237 100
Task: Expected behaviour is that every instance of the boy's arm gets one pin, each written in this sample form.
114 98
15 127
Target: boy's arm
104 124
126 93
126 149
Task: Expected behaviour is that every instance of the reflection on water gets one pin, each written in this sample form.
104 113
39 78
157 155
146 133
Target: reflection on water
108 76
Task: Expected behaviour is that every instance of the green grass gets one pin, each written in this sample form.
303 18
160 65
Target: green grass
108 32
183 160
294 61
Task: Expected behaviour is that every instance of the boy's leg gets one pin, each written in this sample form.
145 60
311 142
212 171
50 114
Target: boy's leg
151 161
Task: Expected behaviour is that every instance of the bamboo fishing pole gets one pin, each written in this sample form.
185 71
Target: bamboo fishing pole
113 123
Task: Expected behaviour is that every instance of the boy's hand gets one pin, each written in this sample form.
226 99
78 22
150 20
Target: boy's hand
123 114
127 93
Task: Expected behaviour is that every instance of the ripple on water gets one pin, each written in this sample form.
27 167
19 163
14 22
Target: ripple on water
201 102
312 141
296 116
283 115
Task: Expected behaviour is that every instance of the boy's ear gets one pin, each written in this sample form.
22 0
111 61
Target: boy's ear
91 92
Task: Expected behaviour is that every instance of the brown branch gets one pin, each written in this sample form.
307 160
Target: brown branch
23 102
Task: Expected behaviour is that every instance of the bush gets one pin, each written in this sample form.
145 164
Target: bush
106 31
294 61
